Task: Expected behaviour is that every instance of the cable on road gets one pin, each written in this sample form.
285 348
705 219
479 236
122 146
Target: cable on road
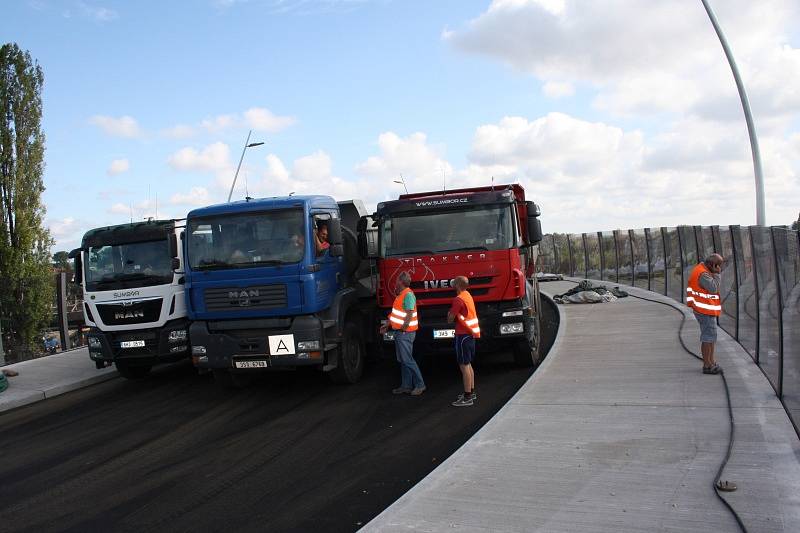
718 486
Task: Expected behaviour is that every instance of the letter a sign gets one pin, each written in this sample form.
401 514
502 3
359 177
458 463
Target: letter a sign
281 345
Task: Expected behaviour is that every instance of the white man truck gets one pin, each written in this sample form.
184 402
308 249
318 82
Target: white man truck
133 295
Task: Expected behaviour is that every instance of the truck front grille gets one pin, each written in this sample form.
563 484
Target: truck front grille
131 312
257 297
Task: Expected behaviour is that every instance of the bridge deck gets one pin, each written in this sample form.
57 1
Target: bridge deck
618 431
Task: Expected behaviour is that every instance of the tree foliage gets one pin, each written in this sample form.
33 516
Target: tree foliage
796 223
26 290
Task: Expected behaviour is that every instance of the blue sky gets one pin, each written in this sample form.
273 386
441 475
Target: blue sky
607 125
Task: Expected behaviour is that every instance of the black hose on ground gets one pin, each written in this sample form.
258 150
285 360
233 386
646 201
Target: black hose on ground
732 436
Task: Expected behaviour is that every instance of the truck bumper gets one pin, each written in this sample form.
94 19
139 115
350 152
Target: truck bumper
258 345
142 347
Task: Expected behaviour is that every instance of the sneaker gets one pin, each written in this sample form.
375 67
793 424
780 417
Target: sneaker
463 402
462 396
401 390
418 391
716 369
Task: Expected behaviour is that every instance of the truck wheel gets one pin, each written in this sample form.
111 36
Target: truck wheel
132 372
350 365
225 379
527 350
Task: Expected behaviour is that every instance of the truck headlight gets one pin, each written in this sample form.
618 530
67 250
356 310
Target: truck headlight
94 343
178 335
308 345
508 329
198 350
518 312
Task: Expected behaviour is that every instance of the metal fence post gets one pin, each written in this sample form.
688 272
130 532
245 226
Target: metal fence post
585 257
571 256
680 260
758 296
649 258
778 280
665 251
633 258
735 275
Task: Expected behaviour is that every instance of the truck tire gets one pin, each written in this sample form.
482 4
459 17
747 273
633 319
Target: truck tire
225 379
132 372
527 351
350 364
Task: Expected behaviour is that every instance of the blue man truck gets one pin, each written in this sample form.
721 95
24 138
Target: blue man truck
261 296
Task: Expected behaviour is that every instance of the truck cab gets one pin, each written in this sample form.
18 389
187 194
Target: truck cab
486 234
133 295
261 294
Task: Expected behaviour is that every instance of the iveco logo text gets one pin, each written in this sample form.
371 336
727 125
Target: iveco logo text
126 294
430 203
128 314
438 283
242 297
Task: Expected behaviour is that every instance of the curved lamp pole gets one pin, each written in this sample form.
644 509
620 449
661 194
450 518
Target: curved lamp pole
247 144
751 128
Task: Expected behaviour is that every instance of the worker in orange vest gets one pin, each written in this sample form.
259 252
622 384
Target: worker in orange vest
462 312
702 296
404 322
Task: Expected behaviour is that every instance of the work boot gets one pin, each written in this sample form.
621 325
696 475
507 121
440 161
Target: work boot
418 391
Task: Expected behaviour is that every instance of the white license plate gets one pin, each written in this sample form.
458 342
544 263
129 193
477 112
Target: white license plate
250 364
444 333
132 344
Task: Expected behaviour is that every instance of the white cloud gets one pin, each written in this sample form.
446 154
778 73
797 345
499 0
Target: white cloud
645 56
124 126
255 118
218 123
118 166
212 158
98 13
120 209
196 196
261 119
419 163
558 89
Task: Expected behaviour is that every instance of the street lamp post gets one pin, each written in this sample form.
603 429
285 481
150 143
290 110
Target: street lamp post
751 128
247 144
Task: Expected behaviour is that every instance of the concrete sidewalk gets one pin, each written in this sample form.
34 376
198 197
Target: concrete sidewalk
618 431
50 376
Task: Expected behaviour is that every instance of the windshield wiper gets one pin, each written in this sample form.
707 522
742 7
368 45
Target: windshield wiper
464 249
270 262
213 264
413 252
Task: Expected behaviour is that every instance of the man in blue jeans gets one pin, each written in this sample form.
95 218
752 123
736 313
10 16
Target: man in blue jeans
404 322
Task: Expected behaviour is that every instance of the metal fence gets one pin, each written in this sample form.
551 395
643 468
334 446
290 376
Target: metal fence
760 288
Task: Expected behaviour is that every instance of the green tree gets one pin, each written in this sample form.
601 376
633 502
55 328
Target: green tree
796 223
26 291
61 261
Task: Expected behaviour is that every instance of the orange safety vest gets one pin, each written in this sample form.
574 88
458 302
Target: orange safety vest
471 320
398 315
696 296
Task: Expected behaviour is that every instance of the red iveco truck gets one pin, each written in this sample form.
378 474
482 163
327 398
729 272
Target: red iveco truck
487 234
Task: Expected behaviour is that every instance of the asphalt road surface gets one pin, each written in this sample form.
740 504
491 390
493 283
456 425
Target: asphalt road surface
292 452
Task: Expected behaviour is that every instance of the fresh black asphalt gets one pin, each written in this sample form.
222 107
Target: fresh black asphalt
292 452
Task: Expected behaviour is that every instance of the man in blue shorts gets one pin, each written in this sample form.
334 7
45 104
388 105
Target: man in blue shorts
463 313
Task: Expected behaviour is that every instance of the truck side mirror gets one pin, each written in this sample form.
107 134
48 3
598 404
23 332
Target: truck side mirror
363 248
173 245
534 230
335 231
176 263
76 255
534 225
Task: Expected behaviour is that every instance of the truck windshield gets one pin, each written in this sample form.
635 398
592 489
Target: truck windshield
122 266
246 240
483 228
